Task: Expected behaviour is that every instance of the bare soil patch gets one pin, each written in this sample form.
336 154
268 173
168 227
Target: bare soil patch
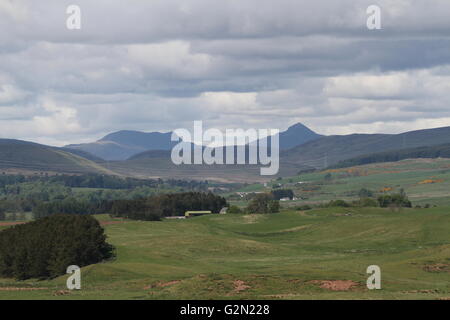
295 281
437 267
61 293
162 284
335 285
239 286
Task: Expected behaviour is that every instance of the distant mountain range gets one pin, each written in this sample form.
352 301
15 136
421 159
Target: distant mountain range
319 153
295 135
124 144
148 154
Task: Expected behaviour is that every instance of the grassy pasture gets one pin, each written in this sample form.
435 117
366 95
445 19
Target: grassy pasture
424 181
279 256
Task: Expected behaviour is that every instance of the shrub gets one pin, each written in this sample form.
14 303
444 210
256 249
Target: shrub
274 206
338 203
46 247
234 209
365 193
263 203
304 207
367 202
282 193
166 205
394 200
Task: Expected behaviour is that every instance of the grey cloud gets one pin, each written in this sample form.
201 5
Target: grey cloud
159 65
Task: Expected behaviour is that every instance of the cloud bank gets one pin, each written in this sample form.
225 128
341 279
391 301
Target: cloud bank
161 64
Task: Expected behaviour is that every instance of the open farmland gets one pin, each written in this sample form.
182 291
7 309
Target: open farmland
316 254
425 181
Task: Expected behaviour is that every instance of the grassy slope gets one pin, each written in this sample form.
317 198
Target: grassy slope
85 164
21 155
164 168
346 183
276 255
338 148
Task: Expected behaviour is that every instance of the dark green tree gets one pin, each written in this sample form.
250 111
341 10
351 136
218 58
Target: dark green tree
46 247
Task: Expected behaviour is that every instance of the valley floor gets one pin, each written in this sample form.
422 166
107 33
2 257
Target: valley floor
316 254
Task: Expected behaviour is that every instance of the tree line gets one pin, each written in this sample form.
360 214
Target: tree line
101 181
441 151
80 193
150 208
167 205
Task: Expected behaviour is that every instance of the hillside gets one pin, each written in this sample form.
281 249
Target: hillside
425 181
165 169
17 155
317 154
329 150
322 152
440 151
83 154
123 144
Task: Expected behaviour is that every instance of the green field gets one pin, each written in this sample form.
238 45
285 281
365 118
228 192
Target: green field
274 256
425 181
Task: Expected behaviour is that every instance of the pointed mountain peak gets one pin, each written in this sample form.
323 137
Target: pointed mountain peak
296 135
299 127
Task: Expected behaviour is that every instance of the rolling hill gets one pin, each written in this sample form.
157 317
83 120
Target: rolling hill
316 154
319 153
329 150
23 156
425 181
290 255
440 151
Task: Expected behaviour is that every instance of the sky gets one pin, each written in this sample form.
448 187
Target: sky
158 65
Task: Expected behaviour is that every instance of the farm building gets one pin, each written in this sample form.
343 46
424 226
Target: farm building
190 214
